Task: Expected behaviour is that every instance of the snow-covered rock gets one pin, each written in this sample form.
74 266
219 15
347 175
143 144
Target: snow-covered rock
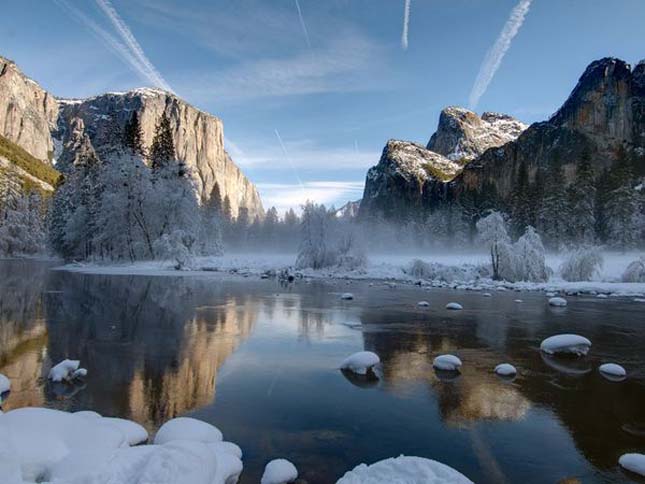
347 296
519 301
566 344
87 414
279 471
633 462
360 362
80 373
404 470
505 369
447 363
558 302
187 428
613 371
423 304
487 294
65 370
134 433
5 384
454 306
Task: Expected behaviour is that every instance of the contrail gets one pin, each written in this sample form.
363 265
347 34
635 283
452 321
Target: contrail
302 23
108 39
406 24
293 168
153 74
494 57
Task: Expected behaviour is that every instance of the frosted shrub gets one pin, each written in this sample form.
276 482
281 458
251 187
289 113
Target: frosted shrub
351 253
440 272
491 230
581 264
316 248
176 246
529 258
635 271
419 269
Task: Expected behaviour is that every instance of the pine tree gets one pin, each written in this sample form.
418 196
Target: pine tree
553 218
521 210
582 203
162 149
622 210
132 135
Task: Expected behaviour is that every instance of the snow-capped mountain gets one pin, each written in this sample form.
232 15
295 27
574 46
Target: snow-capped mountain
602 120
44 126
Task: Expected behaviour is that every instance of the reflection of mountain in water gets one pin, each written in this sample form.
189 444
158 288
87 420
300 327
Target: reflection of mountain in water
152 346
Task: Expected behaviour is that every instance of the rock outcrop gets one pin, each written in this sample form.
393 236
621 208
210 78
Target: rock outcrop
462 135
603 118
198 138
54 130
28 113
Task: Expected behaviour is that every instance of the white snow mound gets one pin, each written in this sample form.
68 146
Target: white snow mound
347 296
454 306
423 304
404 470
63 370
566 343
505 369
360 362
187 428
279 471
559 302
633 462
134 433
612 369
447 363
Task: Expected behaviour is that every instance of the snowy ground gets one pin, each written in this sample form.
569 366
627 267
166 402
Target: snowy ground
386 267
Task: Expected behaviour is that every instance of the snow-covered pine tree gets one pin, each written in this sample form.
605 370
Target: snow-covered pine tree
582 203
211 226
316 249
492 232
133 136
521 208
162 149
553 218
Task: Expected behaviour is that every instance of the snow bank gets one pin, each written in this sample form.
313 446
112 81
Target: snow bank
566 344
447 363
423 304
633 462
505 369
5 385
66 370
559 302
360 362
613 371
453 306
85 448
279 471
408 470
186 428
347 296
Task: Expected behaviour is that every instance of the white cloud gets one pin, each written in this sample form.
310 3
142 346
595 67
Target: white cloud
496 54
284 196
152 74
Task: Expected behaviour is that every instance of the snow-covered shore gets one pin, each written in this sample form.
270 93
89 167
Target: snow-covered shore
390 268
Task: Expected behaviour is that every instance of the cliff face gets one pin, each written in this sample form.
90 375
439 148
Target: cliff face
198 138
603 117
51 129
28 113
462 135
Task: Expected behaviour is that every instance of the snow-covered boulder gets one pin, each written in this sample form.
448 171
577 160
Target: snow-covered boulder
519 301
187 428
403 469
360 362
347 296
87 414
279 471
572 344
612 371
453 306
447 363
134 433
66 370
559 302
633 462
505 369
5 385
635 271
487 294
423 304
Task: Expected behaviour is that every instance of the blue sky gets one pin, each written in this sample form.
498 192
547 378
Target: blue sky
334 87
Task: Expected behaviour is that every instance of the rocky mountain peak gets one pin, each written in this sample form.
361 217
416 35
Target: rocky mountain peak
462 135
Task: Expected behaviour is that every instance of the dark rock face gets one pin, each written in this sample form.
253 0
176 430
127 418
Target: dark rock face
603 117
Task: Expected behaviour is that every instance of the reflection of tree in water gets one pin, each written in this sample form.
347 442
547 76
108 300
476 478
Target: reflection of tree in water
152 345
595 412
22 328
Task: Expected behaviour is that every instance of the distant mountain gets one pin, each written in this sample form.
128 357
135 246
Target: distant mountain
34 120
502 161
